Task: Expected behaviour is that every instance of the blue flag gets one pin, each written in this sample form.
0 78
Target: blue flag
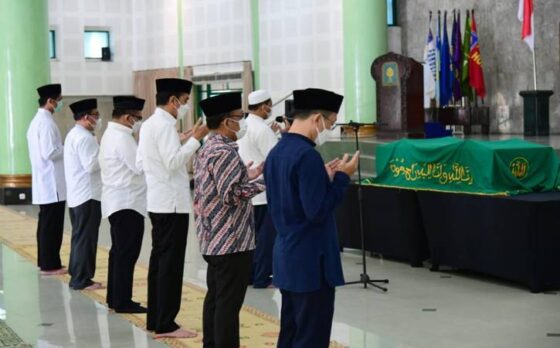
445 90
457 57
438 56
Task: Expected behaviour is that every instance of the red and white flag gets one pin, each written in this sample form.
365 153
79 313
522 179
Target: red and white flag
525 15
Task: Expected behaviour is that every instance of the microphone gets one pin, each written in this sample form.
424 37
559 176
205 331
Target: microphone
278 119
352 124
357 124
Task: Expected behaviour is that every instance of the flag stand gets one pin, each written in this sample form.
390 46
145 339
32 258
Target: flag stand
535 102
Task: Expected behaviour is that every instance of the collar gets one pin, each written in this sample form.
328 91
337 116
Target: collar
119 127
45 112
255 118
289 135
223 139
83 129
166 115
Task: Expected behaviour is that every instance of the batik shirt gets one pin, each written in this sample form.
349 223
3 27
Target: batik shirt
222 199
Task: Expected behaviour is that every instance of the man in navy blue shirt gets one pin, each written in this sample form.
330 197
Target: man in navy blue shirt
302 194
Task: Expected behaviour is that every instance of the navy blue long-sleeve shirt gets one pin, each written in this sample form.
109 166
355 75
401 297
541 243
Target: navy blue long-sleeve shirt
301 201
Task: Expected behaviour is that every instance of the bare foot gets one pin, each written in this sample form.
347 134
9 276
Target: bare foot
179 333
94 286
54 272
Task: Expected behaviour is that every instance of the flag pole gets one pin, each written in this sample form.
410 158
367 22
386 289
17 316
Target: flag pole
534 59
536 99
535 73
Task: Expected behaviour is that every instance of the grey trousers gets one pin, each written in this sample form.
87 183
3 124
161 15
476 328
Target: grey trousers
85 219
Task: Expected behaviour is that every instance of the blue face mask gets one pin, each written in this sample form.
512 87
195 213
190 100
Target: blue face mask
59 106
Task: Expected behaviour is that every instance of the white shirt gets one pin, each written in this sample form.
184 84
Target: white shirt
255 146
124 185
164 161
47 160
81 168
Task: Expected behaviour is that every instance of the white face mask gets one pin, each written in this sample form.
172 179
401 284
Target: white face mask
242 128
323 135
98 123
136 127
269 113
182 111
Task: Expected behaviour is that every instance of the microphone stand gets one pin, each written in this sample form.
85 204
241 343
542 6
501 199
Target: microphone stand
364 277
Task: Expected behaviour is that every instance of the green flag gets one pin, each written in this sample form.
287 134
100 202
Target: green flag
466 89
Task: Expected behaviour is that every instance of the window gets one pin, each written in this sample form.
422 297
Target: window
392 18
206 91
52 44
94 41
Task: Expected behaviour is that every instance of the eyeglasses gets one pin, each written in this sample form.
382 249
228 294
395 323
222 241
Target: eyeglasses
237 117
333 126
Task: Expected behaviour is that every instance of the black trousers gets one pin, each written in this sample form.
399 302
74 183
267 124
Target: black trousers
127 230
85 219
227 279
265 236
50 230
306 318
165 275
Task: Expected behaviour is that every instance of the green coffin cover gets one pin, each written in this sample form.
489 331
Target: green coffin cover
506 167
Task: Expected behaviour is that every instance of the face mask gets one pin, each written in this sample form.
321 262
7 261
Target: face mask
269 112
136 127
242 128
98 123
182 111
323 135
59 106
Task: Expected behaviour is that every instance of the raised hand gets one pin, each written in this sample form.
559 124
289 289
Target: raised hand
185 135
275 127
331 167
349 166
287 124
254 172
199 130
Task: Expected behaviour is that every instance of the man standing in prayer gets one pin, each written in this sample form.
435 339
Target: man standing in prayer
163 157
46 154
253 148
224 187
123 200
302 194
83 179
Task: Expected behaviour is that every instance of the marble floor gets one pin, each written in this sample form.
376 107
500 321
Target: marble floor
43 311
422 309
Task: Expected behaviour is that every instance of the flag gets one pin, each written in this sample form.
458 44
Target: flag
457 60
452 50
445 67
438 55
465 85
526 16
429 68
475 62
